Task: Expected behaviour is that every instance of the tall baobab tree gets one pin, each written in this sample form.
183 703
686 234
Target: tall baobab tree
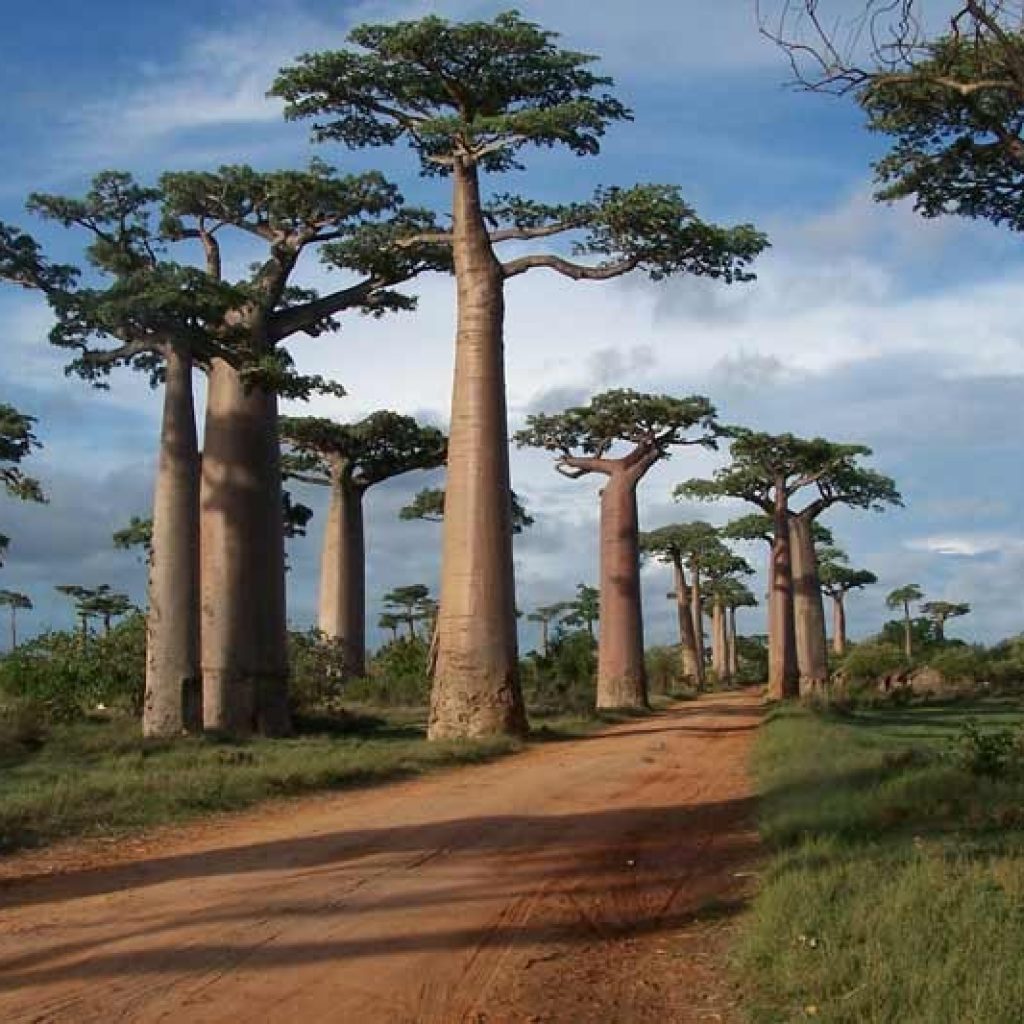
620 435
16 601
672 545
471 99
350 459
722 572
735 595
903 598
545 614
940 611
769 471
837 580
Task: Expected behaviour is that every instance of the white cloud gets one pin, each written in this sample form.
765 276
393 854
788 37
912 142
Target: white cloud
967 545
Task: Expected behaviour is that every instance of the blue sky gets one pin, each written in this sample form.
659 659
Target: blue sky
866 324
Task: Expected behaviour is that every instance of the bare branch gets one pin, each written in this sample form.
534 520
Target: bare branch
575 271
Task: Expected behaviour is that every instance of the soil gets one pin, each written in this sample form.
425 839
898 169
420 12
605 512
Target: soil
596 880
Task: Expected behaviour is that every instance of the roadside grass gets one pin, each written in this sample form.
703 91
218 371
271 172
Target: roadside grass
895 891
100 777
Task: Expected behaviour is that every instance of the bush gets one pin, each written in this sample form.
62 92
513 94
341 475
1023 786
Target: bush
870 662
566 680
663 669
961 664
992 753
398 676
68 675
317 667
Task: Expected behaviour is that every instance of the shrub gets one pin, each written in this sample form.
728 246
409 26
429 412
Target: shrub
991 753
317 663
869 662
663 669
565 681
961 663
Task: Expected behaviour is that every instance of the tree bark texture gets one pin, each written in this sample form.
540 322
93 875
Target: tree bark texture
783 678
173 697
734 654
687 640
244 639
808 607
342 608
621 675
476 689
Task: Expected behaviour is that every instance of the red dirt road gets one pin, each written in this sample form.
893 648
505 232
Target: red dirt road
591 880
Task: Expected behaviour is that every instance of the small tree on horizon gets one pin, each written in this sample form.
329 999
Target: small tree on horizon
940 611
837 580
16 601
903 598
620 435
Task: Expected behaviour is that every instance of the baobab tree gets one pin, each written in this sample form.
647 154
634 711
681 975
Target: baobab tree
722 571
768 471
670 544
940 611
545 614
904 597
837 580
164 317
471 99
428 505
409 604
620 435
350 458
16 601
390 621
101 602
734 596
584 610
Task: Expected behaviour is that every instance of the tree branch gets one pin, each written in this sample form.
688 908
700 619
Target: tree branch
567 268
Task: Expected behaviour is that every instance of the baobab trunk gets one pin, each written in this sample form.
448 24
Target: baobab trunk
621 676
697 615
544 645
476 684
908 643
734 654
783 678
687 641
838 625
342 611
719 641
173 688
808 607
244 641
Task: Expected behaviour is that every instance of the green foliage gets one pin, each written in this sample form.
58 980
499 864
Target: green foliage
765 463
988 752
428 504
137 534
924 635
752 652
398 676
904 596
17 441
317 664
383 445
959 664
67 679
663 669
870 662
565 681
837 578
651 423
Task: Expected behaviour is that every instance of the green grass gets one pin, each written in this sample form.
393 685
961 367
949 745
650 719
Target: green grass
101 778
895 889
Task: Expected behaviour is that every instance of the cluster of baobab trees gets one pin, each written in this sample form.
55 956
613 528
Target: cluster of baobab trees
470 101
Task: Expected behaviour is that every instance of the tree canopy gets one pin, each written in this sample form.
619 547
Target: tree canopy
428 504
836 576
383 445
904 596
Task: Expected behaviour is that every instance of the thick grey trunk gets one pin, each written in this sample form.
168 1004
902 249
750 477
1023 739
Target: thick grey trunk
719 641
839 624
244 639
783 675
621 676
734 654
697 615
173 690
687 639
476 688
808 607
342 611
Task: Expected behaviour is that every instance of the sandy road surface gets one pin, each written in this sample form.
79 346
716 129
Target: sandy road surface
591 880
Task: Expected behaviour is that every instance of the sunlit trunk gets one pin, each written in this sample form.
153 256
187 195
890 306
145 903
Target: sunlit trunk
173 689
808 607
687 641
697 615
476 688
719 641
734 654
621 677
839 624
244 640
342 609
908 643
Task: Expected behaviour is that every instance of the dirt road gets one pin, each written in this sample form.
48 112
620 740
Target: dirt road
591 880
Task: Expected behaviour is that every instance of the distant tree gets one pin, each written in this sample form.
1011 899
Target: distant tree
641 429
428 504
350 459
408 604
940 611
904 597
722 571
16 602
735 596
545 614
769 471
388 620
585 609
837 580
137 534
472 98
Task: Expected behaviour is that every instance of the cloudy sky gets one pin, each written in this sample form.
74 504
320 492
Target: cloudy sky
866 323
